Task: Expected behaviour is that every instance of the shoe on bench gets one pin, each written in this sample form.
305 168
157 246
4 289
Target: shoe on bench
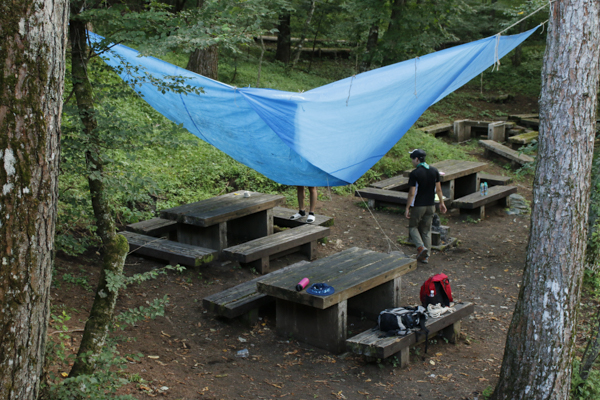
311 218
298 215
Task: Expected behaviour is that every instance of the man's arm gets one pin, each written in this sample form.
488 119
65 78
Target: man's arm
411 196
438 190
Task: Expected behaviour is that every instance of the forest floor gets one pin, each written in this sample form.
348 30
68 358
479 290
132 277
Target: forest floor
190 354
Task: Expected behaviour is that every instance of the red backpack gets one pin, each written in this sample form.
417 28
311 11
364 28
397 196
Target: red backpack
436 290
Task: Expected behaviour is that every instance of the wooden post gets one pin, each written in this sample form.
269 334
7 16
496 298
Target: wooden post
497 131
462 130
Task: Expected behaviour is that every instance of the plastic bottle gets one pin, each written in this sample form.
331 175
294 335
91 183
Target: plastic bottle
302 284
481 188
485 189
242 353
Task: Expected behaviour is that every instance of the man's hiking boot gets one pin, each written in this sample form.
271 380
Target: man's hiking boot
425 260
421 253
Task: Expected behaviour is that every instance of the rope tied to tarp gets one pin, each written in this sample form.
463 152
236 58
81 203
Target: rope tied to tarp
496 58
349 89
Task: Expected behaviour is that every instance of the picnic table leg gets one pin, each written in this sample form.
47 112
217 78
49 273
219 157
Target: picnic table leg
452 332
448 189
466 185
250 227
325 329
403 356
211 237
370 303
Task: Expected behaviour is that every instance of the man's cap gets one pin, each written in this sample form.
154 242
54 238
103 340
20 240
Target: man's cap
417 153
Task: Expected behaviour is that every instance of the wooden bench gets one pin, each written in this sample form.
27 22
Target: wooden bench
281 218
494 180
244 300
382 197
157 227
491 146
438 129
256 253
523 139
496 130
374 347
399 183
173 252
475 202
387 198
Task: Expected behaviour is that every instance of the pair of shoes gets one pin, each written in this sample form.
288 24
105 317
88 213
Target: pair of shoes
298 215
425 260
421 253
311 218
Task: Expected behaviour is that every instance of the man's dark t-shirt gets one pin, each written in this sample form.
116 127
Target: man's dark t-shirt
426 178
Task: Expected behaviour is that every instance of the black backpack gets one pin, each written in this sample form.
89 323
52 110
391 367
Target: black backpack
402 321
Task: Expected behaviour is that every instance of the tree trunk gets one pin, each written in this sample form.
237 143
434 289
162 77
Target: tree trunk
392 33
313 3
516 58
284 39
539 346
32 65
114 246
371 46
205 62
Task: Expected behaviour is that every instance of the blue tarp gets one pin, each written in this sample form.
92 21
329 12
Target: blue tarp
328 136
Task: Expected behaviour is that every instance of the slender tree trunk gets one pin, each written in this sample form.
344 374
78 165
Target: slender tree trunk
313 3
262 53
371 46
312 54
391 36
115 246
205 62
32 65
517 56
284 39
539 346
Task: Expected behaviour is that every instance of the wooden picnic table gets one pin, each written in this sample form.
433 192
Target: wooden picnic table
365 282
458 178
223 221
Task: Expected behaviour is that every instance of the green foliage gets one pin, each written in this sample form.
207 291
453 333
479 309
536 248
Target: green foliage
80 281
585 390
156 308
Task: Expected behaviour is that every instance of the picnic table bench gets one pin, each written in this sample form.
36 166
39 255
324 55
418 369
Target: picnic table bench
399 183
476 203
244 300
257 253
523 139
364 282
156 227
373 346
281 218
172 252
438 129
514 156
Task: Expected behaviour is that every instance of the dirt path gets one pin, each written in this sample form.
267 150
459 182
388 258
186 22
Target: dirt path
191 355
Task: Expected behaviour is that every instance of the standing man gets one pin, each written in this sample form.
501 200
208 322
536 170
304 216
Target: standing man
424 183
312 190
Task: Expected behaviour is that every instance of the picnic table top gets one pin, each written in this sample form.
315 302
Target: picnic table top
350 272
222 208
453 169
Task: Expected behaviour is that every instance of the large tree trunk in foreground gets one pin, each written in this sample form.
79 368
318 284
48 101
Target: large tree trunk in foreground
539 346
115 246
32 58
205 62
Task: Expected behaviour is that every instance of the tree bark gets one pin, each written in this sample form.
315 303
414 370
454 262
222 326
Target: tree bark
539 346
205 62
371 46
115 246
298 51
392 33
284 39
32 65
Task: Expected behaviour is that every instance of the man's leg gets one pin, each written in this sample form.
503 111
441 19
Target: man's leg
424 227
416 213
301 213
312 191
